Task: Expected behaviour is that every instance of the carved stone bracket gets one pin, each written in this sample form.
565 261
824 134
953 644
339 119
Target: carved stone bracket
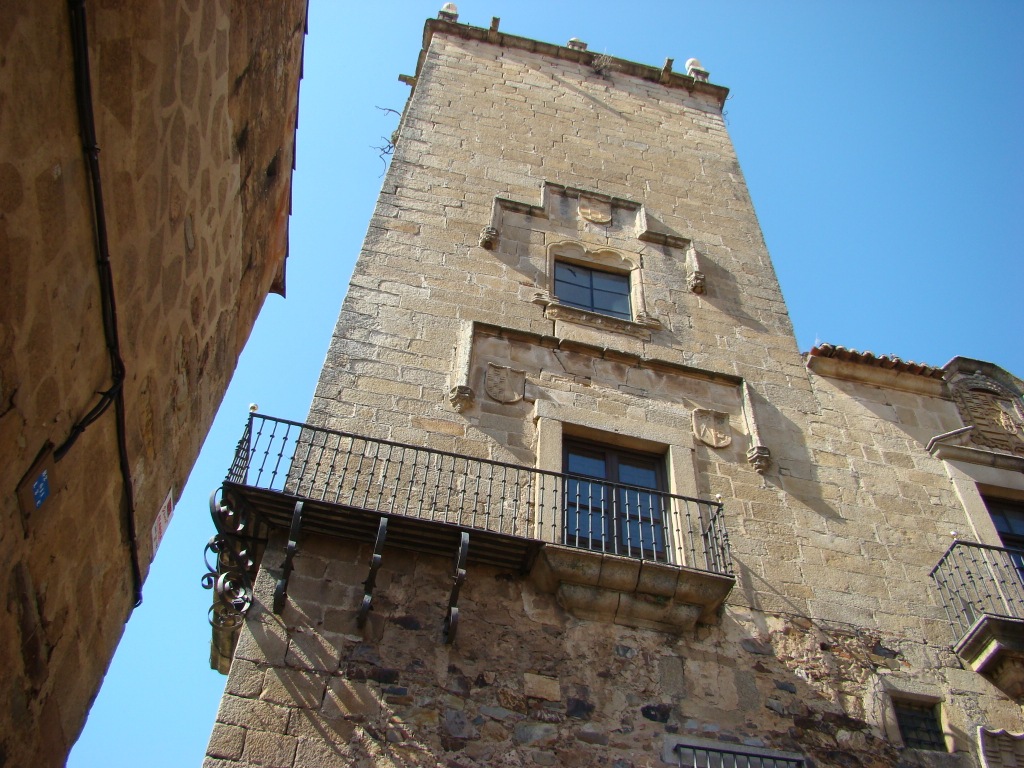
758 454
760 458
489 238
460 394
695 280
461 397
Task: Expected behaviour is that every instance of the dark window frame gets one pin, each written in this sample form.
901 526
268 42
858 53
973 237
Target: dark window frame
596 296
633 519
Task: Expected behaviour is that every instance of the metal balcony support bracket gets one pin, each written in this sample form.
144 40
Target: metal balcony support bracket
371 579
451 620
281 590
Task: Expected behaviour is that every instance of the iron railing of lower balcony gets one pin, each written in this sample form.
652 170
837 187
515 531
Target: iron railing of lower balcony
976 580
389 478
700 755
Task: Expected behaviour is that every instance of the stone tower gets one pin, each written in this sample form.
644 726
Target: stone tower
568 494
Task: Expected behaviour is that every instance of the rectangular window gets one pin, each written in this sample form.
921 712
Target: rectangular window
624 514
1008 517
919 725
591 289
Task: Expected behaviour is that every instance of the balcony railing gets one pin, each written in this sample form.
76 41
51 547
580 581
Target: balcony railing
977 580
342 471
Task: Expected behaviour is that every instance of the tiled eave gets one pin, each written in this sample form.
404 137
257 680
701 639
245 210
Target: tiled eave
644 71
881 370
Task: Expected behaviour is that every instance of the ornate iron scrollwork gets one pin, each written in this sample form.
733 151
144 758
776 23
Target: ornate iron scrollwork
228 571
451 619
281 590
371 579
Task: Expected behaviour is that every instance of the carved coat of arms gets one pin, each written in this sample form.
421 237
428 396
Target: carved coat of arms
597 211
711 427
504 384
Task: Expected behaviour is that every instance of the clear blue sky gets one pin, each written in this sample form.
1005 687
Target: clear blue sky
882 143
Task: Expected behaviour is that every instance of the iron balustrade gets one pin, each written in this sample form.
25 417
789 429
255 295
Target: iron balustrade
390 478
697 753
977 580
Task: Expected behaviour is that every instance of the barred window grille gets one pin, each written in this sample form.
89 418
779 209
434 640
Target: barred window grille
919 725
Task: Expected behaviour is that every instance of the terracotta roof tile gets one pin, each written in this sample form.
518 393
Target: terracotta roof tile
888 362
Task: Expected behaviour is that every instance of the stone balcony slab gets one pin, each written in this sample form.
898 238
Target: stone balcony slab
633 593
994 648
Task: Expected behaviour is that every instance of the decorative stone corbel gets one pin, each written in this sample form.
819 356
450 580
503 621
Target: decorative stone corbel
460 395
488 238
758 454
694 276
760 458
543 298
647 321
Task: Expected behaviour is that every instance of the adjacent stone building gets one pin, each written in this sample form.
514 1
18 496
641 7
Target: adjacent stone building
146 151
568 493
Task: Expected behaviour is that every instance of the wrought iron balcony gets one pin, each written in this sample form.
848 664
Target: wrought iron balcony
305 479
982 590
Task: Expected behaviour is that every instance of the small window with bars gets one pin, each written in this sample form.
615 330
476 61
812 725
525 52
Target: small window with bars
919 724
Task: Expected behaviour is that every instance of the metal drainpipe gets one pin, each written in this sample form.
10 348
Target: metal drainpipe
115 394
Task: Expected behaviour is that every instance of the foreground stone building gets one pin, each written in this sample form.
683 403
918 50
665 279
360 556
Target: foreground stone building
568 494
130 277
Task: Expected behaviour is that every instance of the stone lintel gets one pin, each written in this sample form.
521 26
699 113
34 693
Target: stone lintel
643 71
994 648
880 377
630 592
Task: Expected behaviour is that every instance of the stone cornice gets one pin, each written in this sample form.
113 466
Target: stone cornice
643 71
880 377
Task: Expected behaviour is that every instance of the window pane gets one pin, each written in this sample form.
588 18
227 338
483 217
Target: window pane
573 294
584 464
608 281
570 273
631 474
612 304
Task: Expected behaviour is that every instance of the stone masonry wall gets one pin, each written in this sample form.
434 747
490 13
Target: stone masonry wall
195 114
833 611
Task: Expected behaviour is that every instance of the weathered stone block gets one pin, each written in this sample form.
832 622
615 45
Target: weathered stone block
542 687
226 741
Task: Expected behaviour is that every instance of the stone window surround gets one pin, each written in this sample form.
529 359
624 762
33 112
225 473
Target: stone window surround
883 714
603 259
892 726
973 483
921 717
556 421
